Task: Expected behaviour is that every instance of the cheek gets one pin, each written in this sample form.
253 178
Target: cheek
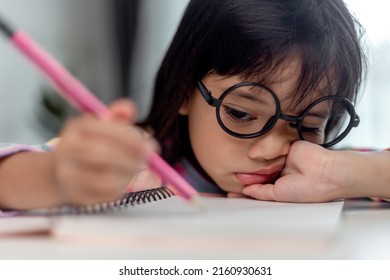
217 152
213 148
209 147
204 131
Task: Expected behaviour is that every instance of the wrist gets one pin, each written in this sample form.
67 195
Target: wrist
340 174
358 174
59 196
334 174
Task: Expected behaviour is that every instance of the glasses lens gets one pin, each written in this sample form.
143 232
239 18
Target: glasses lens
247 109
326 121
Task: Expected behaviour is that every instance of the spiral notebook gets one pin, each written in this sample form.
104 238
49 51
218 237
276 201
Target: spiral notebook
128 200
40 221
157 224
171 228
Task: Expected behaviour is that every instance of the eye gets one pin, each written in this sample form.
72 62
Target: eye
307 129
311 130
237 115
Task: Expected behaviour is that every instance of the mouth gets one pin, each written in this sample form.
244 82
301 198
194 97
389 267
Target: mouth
260 177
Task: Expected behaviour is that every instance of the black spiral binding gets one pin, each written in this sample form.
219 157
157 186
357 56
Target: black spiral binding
129 199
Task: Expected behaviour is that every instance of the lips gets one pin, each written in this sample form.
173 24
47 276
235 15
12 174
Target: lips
261 177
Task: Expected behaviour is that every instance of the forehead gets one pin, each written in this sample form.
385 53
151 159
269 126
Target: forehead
283 80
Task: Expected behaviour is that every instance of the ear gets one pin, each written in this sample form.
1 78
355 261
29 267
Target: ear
183 110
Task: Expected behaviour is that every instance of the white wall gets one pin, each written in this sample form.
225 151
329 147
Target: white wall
76 32
374 107
158 21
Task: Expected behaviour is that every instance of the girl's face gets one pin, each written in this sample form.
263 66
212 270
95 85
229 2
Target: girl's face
233 162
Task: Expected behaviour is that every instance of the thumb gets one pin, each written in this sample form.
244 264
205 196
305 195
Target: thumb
260 192
236 195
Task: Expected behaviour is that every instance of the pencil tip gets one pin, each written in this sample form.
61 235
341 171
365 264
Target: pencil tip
196 202
6 28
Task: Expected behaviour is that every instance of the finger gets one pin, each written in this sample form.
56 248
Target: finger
90 185
260 192
108 153
122 138
148 139
236 195
145 179
123 110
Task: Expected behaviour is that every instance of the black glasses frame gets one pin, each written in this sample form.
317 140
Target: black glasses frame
297 120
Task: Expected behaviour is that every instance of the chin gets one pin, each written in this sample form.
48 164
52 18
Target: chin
233 189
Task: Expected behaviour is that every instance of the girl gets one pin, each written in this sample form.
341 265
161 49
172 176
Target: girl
240 85
243 80
93 162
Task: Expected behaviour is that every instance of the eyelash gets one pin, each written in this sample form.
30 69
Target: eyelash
311 130
229 112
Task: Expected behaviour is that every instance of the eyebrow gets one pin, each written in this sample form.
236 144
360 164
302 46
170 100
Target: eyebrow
321 114
251 97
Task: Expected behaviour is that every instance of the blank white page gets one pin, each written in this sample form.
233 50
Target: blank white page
238 223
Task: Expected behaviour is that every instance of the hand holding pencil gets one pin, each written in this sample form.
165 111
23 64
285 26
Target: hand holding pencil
85 101
94 160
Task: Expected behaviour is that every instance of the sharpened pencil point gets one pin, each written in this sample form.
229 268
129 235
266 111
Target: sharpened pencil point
197 202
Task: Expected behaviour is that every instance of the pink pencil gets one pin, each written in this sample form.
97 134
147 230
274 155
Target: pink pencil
84 100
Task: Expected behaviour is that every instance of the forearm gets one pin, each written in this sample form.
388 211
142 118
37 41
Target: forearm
27 181
362 174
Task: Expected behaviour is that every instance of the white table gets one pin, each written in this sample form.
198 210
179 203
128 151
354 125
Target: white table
363 233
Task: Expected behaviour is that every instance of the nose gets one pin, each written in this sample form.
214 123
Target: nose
275 143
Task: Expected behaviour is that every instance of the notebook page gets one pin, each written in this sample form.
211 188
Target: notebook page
40 220
172 224
17 225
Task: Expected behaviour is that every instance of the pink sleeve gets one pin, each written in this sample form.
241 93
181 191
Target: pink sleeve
7 149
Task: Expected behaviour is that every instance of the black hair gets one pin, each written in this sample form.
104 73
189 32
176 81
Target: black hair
252 38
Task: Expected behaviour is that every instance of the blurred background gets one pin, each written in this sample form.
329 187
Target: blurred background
115 47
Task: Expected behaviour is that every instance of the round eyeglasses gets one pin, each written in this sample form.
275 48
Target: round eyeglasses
248 110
